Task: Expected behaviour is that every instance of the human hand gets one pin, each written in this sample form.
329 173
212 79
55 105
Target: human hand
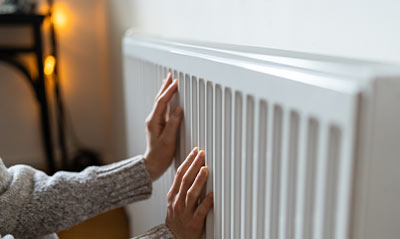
161 131
185 217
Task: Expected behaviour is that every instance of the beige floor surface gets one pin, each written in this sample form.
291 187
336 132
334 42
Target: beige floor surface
113 224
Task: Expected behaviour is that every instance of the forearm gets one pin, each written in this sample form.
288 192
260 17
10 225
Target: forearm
65 199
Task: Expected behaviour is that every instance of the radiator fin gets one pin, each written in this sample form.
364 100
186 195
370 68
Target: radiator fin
260 170
195 116
218 171
227 164
236 171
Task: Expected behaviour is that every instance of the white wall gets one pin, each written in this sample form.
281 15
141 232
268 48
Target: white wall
367 29
119 20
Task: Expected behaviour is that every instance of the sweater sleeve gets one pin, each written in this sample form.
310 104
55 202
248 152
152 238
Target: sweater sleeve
33 203
158 232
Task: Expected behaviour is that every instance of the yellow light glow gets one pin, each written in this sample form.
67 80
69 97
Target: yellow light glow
59 18
49 65
43 8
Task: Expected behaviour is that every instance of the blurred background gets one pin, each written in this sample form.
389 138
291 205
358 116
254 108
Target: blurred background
89 35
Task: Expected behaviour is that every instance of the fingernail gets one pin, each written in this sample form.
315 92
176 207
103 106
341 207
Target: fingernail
194 151
204 170
202 153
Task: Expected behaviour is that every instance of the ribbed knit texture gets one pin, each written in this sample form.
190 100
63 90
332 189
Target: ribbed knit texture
35 205
159 232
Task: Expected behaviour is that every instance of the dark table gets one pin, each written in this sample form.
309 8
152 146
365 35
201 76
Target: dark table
8 55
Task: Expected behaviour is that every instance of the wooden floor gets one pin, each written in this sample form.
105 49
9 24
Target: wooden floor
113 224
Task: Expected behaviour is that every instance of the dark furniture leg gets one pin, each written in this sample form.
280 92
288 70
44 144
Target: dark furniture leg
43 102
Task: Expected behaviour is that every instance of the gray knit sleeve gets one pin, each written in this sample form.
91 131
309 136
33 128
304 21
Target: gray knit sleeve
158 232
35 204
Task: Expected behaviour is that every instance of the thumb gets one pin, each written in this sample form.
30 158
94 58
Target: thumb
172 126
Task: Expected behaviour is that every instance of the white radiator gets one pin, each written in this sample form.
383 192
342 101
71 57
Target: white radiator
298 146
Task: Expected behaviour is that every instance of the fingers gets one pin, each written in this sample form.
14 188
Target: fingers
171 129
191 173
194 191
181 172
165 85
162 101
204 207
187 219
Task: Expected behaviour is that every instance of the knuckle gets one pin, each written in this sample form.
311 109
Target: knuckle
185 181
191 195
205 207
170 196
160 100
178 177
202 209
180 199
170 206
150 127
175 207
149 122
175 121
179 172
174 117
206 204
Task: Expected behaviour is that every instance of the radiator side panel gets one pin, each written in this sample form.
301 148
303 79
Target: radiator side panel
375 205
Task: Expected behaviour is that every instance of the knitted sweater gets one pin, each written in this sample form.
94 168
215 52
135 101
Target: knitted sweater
35 205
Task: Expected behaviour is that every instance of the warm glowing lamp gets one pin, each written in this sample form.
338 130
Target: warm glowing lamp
49 64
59 17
